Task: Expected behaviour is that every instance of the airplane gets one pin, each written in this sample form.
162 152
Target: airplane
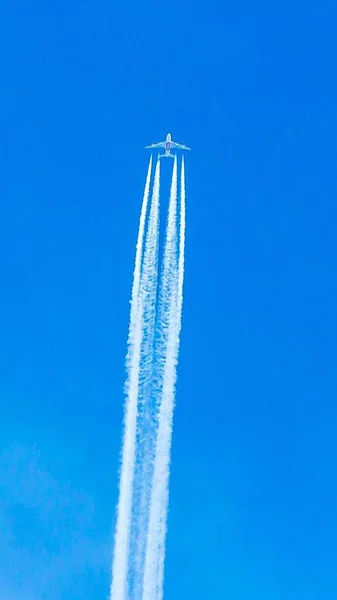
168 144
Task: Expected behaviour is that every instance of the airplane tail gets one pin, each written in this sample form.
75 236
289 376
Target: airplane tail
169 154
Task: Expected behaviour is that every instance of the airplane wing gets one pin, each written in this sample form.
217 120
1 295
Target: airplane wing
181 146
159 145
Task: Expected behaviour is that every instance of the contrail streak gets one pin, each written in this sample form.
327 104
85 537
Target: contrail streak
122 533
145 426
153 348
181 263
167 353
169 384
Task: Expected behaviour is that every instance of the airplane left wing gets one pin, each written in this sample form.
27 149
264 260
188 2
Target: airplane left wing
159 145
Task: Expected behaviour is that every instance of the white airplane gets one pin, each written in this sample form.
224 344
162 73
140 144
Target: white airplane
168 144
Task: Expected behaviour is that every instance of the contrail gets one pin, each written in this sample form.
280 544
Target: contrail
145 426
153 347
181 263
171 381
167 354
122 533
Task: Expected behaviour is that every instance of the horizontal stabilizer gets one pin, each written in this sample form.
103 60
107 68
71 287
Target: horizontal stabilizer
163 155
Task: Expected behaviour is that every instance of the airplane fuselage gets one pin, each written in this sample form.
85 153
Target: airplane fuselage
168 144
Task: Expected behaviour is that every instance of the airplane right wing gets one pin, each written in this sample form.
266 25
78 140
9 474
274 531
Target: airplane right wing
159 145
181 146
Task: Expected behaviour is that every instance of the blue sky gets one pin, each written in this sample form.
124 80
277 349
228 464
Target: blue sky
252 88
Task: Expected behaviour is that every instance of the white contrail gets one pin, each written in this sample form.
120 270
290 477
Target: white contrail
167 353
122 533
153 347
171 380
145 426
181 263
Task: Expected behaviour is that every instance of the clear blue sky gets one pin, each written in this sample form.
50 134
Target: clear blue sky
252 87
